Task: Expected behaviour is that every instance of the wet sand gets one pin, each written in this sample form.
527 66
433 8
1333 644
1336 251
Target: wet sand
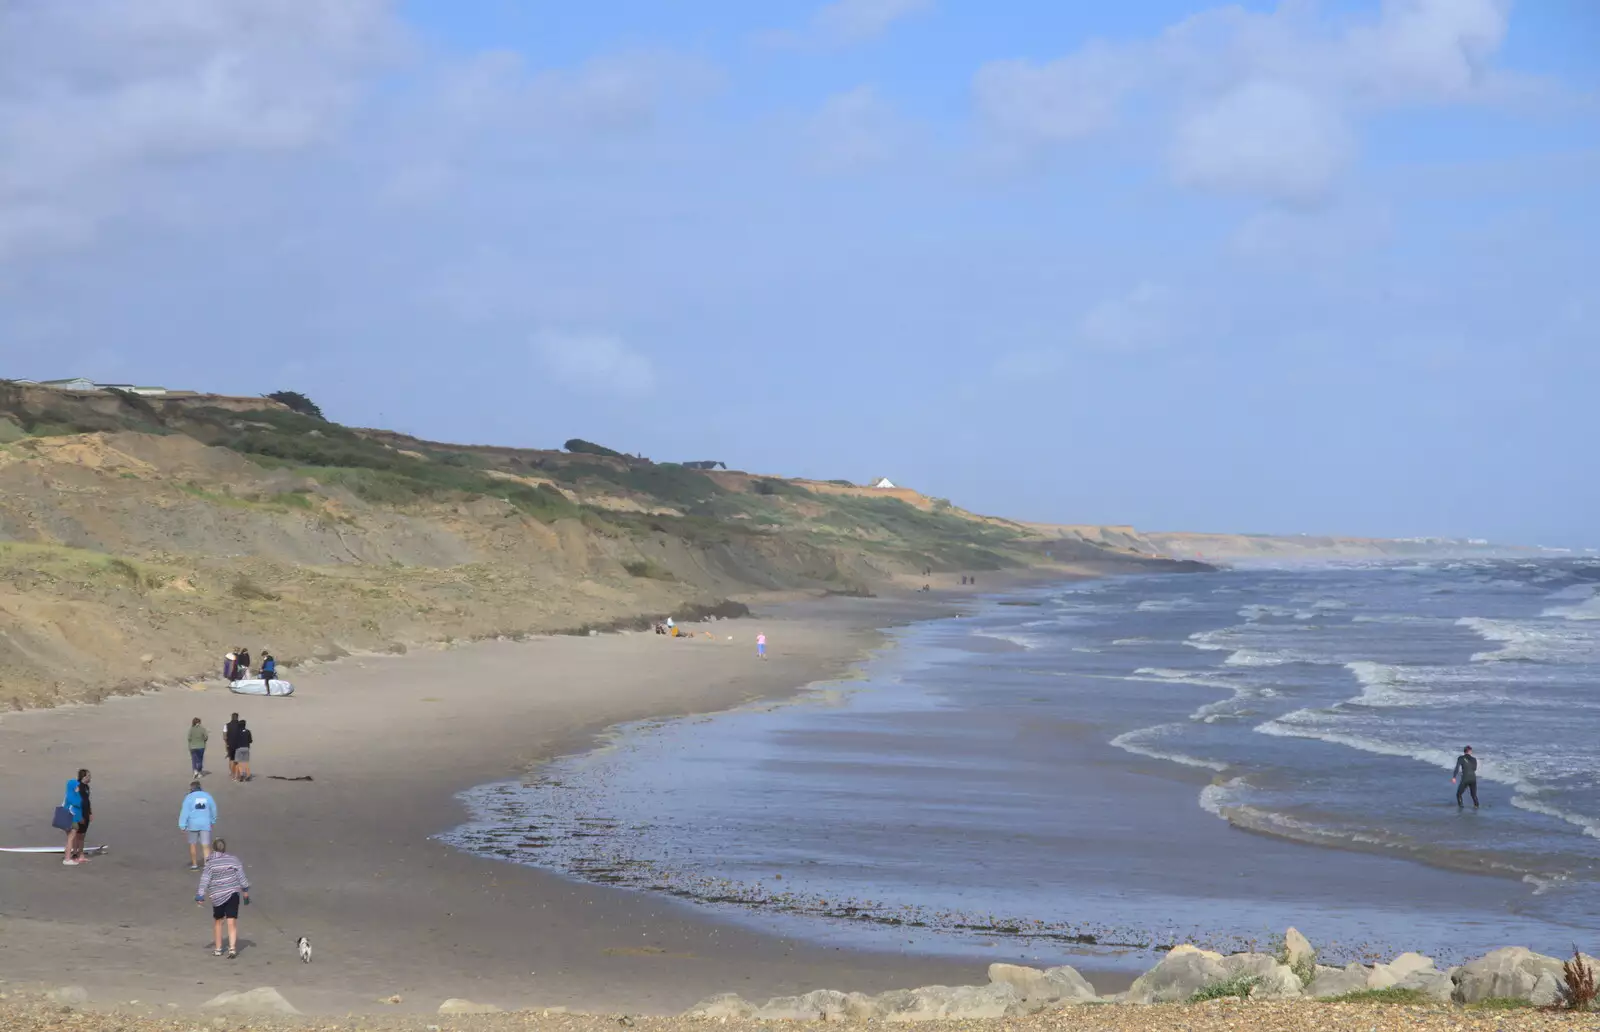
348 858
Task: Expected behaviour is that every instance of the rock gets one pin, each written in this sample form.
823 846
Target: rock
458 1006
1297 951
1276 981
722 1005
261 1000
1408 964
1512 972
1338 981
69 996
1437 984
1546 990
1041 988
949 1003
1182 973
817 1005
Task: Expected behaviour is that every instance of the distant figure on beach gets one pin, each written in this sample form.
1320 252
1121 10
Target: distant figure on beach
1465 776
269 666
230 662
230 738
241 669
77 801
198 736
196 819
761 646
223 885
241 752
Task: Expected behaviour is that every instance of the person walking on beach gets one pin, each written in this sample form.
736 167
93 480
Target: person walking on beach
77 801
761 646
223 885
1465 776
230 739
196 818
198 736
241 752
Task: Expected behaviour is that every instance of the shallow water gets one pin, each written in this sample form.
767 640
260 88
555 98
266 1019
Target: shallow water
1122 764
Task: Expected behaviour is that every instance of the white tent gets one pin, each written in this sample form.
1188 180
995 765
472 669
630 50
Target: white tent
882 482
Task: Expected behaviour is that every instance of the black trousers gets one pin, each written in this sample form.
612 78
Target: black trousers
1465 786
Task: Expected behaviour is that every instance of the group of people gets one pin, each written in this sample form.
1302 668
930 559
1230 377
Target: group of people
223 883
236 665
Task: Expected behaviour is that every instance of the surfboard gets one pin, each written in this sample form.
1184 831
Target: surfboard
91 850
256 686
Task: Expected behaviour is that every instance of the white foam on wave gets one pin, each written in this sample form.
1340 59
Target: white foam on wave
1522 640
1290 726
1527 799
1399 618
1164 605
1254 613
1024 641
1588 609
1138 743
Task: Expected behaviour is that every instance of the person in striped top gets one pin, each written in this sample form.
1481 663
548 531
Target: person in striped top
223 885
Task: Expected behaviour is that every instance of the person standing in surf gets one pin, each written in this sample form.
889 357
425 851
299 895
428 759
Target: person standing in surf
77 801
1465 776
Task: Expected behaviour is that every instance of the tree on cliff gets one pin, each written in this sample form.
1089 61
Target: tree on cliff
298 402
579 446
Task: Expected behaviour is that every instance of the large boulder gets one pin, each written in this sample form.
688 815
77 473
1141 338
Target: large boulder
455 1005
263 1000
721 1006
1040 989
1297 951
1547 990
1182 972
1512 973
1437 985
817 1005
1274 980
1338 981
950 1003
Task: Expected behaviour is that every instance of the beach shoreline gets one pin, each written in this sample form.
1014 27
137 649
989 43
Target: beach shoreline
351 859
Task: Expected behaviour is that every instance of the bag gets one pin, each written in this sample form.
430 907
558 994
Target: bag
63 819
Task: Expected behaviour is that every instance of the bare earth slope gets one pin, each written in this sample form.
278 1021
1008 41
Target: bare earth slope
141 538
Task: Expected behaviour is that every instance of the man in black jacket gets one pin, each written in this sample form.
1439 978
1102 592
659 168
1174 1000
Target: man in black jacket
1465 776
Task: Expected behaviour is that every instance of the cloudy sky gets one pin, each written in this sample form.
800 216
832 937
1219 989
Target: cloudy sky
1299 266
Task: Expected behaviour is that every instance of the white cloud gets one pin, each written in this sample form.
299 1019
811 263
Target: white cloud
596 364
853 130
1257 104
1144 319
846 23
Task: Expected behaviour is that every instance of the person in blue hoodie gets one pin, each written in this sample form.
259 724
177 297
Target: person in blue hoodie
269 667
196 818
77 802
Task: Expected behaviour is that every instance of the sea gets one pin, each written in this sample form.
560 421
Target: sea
1105 768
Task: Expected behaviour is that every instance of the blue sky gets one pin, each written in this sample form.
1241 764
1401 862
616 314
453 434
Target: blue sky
1321 267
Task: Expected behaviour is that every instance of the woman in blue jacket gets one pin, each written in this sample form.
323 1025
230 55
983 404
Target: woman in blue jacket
77 802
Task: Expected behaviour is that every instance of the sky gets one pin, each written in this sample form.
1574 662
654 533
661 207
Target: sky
1297 267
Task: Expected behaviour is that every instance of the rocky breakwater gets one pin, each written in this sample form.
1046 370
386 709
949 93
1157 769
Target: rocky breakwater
1186 975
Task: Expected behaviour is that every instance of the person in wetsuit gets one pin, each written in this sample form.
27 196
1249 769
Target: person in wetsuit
1465 776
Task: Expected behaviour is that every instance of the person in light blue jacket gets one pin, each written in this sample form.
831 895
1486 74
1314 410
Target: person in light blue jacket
196 819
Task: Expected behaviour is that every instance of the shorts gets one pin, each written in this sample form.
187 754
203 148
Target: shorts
228 908
242 755
82 827
200 838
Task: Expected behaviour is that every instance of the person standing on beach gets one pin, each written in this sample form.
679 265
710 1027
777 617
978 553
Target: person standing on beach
230 739
241 752
241 668
761 646
1465 776
228 663
269 666
223 885
77 801
196 818
198 736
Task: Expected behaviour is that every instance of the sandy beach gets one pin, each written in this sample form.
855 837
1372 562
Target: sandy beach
348 858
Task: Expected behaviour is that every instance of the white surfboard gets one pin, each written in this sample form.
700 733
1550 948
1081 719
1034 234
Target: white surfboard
256 686
91 850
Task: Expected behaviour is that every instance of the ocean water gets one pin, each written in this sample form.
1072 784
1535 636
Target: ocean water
1113 766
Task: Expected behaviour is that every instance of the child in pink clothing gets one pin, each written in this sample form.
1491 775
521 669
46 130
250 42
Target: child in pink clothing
761 646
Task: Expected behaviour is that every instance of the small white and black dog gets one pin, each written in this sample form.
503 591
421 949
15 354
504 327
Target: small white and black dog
304 946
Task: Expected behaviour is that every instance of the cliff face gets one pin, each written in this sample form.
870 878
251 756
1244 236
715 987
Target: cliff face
139 539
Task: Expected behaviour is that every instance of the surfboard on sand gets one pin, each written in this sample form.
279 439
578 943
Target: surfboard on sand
91 850
256 686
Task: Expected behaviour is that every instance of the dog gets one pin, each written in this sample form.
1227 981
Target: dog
304 946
